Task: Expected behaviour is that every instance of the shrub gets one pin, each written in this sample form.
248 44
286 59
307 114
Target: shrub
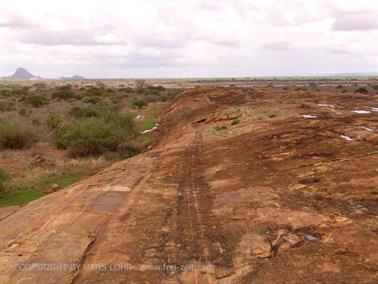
19 91
34 100
235 122
128 151
13 136
140 85
3 175
375 87
361 90
339 87
159 88
116 100
126 90
24 111
95 91
36 121
173 94
63 95
220 129
139 103
53 121
79 112
5 92
92 136
4 106
65 87
272 113
100 109
313 85
151 92
92 100
40 85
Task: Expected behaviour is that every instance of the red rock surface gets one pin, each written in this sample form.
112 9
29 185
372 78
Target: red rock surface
276 198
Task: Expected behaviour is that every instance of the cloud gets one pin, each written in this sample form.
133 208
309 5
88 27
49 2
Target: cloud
72 37
149 61
12 20
356 22
277 45
187 38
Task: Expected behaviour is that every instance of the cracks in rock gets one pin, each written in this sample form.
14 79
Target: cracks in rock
83 259
283 239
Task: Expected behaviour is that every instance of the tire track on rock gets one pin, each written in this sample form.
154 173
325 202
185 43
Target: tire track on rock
199 239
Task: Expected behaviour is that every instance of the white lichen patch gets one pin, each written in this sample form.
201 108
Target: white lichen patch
309 116
347 138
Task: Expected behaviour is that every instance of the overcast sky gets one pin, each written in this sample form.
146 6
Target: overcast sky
106 38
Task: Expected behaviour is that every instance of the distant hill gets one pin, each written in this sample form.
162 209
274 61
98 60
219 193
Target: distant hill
355 74
23 75
75 77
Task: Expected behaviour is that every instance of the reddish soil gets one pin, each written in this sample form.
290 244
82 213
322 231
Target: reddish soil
277 198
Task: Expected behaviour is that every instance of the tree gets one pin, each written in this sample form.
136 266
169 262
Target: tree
140 85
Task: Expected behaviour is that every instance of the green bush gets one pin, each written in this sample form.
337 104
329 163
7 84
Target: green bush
100 109
92 136
220 127
94 91
92 100
3 175
127 90
80 112
13 136
173 94
156 88
272 113
5 92
34 100
116 100
361 90
23 111
64 95
65 87
128 151
6 106
19 91
139 103
151 92
220 130
235 122
40 85
53 121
